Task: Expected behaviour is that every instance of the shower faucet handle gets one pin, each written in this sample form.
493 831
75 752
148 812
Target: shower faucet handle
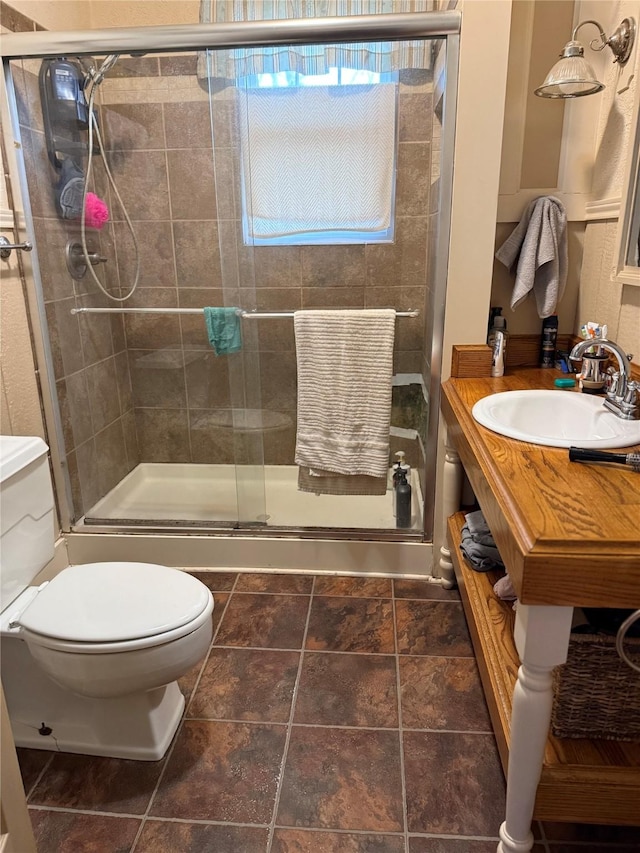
76 261
96 258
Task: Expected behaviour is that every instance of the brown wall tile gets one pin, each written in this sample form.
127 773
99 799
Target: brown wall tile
192 183
111 450
157 378
163 435
102 384
141 177
127 127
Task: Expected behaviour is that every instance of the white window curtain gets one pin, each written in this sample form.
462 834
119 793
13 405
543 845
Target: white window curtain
382 57
318 160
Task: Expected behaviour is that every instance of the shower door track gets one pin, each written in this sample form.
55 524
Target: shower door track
218 529
356 28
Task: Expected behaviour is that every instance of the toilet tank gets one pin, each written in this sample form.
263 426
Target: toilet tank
26 513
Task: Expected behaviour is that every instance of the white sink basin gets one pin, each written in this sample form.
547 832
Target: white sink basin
556 419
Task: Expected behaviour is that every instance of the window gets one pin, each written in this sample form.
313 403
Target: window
318 157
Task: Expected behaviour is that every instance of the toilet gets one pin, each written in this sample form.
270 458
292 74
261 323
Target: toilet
90 660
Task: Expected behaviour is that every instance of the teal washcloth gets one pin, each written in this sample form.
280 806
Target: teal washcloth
223 329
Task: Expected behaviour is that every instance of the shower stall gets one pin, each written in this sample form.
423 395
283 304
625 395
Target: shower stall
213 134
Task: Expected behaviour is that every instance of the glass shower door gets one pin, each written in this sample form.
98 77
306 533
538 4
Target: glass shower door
148 411
311 139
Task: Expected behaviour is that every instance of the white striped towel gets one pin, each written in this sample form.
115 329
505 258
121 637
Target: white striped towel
345 365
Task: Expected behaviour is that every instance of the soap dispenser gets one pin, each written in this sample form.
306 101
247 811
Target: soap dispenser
403 501
399 466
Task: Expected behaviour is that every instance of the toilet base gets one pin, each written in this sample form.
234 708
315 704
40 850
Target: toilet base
139 726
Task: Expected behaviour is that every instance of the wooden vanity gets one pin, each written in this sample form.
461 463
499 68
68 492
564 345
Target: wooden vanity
569 535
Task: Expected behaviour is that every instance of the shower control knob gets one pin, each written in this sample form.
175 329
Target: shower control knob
95 258
77 262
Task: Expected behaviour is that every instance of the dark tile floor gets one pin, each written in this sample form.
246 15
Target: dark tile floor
332 715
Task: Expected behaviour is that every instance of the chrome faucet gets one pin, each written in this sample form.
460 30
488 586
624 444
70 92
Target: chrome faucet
623 394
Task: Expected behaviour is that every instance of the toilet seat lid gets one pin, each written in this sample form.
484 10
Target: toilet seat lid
111 602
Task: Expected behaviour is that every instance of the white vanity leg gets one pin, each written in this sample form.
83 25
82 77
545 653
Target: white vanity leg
542 640
451 492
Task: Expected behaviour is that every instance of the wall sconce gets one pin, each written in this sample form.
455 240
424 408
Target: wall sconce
572 76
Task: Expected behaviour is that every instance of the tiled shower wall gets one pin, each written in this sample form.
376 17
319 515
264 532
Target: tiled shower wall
149 388
184 198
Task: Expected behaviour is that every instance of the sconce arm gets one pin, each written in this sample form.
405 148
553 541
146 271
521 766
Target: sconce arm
620 41
595 44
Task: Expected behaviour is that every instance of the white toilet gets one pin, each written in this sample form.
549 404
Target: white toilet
89 659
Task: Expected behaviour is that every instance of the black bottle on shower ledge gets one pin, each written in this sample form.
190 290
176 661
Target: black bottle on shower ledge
403 501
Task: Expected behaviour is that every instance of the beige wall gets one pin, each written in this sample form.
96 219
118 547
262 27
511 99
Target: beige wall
56 14
94 14
601 298
20 404
19 399
477 169
590 165
142 13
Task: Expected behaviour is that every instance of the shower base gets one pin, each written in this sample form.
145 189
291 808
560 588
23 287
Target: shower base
177 494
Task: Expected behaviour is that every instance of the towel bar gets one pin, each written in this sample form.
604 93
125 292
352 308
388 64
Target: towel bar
258 315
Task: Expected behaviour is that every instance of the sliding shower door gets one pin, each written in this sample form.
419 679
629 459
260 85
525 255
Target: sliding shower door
330 197
241 186
153 419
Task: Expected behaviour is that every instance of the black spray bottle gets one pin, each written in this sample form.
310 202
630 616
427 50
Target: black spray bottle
548 341
403 501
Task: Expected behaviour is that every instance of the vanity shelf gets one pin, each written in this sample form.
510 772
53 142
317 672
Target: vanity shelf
593 781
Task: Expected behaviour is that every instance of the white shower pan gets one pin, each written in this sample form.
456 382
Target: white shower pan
185 494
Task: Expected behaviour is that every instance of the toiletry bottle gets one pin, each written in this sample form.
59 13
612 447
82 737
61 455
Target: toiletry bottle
400 465
499 346
502 324
549 338
403 501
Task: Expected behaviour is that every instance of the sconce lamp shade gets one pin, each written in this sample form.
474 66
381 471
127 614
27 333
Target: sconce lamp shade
571 76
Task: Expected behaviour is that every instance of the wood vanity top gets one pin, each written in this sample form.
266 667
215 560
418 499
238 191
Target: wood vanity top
569 533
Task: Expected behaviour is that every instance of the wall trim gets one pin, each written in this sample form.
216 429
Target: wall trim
511 207
605 208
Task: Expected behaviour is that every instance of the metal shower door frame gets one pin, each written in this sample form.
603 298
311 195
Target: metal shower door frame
189 37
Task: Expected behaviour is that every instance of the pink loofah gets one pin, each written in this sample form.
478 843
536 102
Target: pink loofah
96 212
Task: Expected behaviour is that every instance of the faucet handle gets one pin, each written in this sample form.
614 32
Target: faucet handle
631 394
613 384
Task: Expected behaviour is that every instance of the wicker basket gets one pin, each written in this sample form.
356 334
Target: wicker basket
596 695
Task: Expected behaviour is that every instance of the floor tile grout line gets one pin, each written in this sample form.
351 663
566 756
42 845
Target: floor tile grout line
577 845
337 831
403 781
176 736
160 819
41 807
299 725
294 697
340 652
543 838
205 660
40 775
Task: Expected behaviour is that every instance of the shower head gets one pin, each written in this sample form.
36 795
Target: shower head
106 66
97 75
